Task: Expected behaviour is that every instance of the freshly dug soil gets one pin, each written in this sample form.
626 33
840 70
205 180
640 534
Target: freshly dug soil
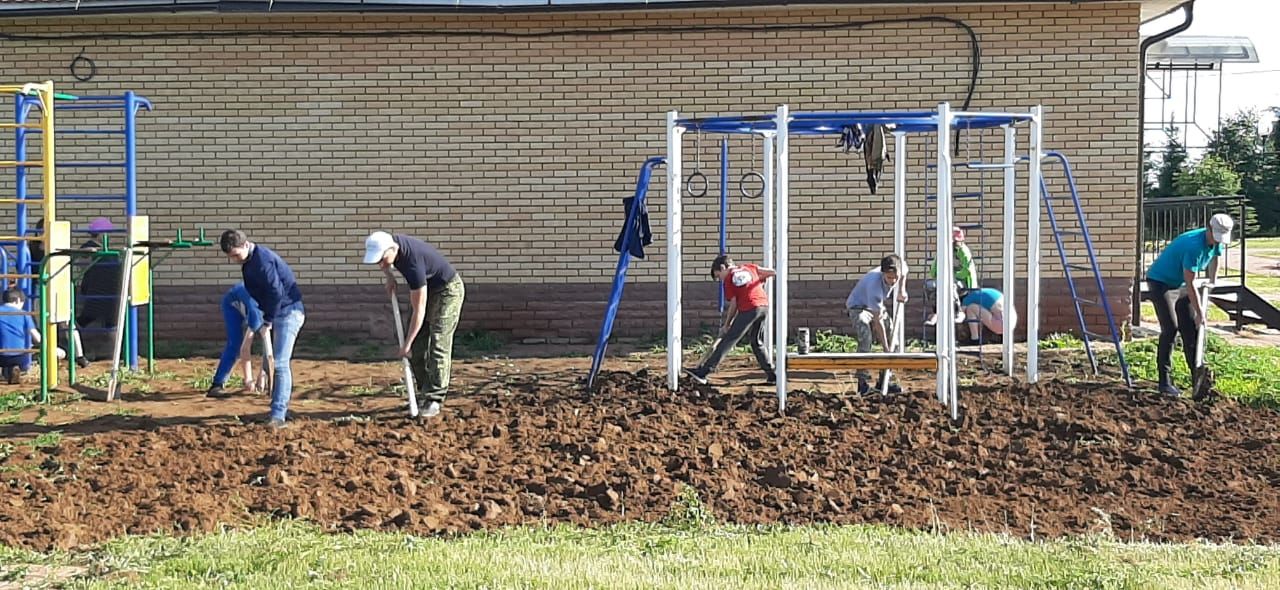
1050 460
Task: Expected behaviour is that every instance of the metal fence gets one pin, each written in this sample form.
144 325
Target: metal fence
1166 218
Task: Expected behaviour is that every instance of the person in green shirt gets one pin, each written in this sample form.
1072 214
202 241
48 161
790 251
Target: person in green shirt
965 270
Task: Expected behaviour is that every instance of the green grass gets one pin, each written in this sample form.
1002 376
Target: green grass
477 343
1148 312
1263 244
48 439
1263 284
365 390
1061 341
203 379
294 555
135 381
17 401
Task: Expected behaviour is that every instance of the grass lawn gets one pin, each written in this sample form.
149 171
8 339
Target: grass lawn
293 555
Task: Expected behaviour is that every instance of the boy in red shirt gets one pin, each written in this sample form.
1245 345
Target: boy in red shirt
744 316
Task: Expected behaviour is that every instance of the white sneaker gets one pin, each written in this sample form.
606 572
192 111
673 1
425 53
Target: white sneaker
433 410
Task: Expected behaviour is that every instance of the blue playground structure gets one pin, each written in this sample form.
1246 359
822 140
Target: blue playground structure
860 131
630 237
1062 232
122 139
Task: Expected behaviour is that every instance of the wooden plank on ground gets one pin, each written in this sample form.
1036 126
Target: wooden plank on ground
862 360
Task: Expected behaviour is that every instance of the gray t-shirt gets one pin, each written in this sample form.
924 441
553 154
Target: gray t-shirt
870 292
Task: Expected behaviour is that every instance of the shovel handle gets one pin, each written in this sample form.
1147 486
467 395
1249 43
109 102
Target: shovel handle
409 385
269 358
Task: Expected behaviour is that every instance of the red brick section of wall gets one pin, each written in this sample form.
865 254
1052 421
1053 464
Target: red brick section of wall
572 313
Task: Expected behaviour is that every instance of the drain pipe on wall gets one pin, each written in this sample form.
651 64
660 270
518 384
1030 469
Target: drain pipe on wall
1189 15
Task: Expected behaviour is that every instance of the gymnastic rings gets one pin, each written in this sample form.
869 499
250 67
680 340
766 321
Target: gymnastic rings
696 185
746 180
83 68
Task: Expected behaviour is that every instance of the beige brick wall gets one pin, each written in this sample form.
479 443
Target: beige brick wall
512 154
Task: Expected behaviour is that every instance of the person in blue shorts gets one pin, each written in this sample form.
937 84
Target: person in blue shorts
243 320
1171 288
985 307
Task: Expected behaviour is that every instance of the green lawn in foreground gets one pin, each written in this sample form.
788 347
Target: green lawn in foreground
291 555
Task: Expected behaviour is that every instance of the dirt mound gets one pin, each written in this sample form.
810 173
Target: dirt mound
1050 460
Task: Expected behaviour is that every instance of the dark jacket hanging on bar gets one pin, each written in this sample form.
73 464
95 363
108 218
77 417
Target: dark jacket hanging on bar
641 233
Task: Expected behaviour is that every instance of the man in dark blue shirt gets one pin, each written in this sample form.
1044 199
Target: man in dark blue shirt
270 282
435 295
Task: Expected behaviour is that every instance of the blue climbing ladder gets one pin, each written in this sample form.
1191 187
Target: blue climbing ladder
1071 269
629 235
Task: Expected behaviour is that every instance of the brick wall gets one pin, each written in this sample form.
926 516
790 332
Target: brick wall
512 154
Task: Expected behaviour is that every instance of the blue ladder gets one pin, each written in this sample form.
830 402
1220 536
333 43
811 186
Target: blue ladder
624 261
1067 268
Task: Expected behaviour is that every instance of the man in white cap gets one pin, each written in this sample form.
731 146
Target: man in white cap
1171 287
435 296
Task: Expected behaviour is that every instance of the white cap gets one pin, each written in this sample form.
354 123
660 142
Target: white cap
1221 225
376 245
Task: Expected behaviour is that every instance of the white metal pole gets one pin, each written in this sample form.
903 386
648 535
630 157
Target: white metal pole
899 240
1010 237
768 231
675 236
780 337
946 283
1033 247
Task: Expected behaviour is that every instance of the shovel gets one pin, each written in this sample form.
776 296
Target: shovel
408 371
269 361
122 309
1202 375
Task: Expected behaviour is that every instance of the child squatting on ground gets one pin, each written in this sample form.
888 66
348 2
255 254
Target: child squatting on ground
15 328
865 306
747 309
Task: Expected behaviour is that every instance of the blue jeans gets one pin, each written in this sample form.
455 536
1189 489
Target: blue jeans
11 362
235 324
284 334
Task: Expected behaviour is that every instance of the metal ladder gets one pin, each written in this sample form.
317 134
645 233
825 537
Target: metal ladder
16 269
1068 267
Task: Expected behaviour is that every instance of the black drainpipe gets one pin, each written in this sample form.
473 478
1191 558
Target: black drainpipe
1189 8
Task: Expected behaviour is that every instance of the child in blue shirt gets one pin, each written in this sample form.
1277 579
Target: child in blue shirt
15 328
242 318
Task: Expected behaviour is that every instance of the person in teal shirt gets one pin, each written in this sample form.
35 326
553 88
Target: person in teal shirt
985 307
1171 288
